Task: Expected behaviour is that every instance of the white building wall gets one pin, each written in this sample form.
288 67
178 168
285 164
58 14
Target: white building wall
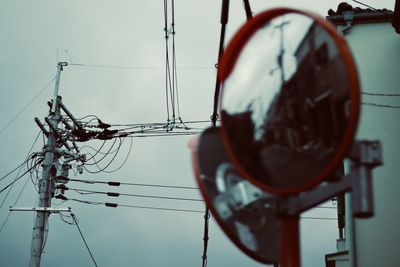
376 49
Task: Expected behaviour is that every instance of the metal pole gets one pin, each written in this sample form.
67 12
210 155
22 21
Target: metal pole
341 214
290 241
59 69
45 189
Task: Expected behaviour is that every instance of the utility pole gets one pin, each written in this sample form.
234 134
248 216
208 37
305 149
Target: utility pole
49 172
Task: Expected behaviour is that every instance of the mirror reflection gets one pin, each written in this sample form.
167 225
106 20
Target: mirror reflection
243 211
285 105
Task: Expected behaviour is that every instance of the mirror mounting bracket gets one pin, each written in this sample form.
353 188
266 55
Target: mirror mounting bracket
367 153
364 157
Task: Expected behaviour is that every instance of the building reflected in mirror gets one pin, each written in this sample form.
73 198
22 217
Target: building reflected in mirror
244 212
285 113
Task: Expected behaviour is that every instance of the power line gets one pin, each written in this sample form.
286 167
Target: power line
98 151
115 205
205 237
20 168
26 106
83 238
105 155
171 74
16 179
380 94
15 203
13 170
224 22
62 217
171 128
159 208
126 158
374 9
168 86
380 105
136 67
113 194
214 115
158 123
318 218
161 135
113 183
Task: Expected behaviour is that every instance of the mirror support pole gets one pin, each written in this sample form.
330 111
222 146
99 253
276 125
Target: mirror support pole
364 157
290 241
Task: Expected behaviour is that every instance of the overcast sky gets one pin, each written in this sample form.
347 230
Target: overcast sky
123 33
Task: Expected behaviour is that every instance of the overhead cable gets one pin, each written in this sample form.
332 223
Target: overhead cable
63 216
26 105
171 75
13 170
247 8
16 179
318 218
160 208
83 238
380 105
14 204
167 67
115 205
109 163
380 94
20 168
125 160
115 194
97 151
136 67
224 22
374 9
114 183
157 123
174 66
205 237
214 116
139 135
105 154
102 131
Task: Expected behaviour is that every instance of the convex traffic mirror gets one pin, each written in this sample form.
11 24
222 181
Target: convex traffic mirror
244 212
290 100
